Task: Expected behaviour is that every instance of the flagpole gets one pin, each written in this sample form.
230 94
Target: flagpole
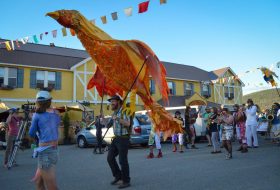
127 93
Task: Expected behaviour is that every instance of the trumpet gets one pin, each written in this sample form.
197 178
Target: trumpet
270 117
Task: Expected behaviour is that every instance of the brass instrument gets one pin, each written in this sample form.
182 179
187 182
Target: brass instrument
270 117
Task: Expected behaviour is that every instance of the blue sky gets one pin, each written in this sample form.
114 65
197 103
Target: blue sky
210 34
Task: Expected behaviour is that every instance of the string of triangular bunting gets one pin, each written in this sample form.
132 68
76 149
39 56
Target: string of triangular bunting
228 80
10 45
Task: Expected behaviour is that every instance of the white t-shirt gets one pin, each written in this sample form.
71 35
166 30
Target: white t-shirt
251 115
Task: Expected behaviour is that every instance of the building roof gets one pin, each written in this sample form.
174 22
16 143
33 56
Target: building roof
221 72
187 72
42 56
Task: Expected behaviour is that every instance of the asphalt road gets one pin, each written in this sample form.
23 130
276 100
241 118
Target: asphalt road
193 170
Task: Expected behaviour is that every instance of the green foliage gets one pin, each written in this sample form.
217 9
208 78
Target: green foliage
66 124
264 98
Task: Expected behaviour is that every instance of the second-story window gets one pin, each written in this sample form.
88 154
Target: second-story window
188 87
45 79
206 90
9 77
152 87
2 76
229 91
172 87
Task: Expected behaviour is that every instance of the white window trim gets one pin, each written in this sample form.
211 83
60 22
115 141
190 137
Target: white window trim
46 81
6 75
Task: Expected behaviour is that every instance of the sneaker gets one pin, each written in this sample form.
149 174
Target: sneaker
218 151
151 155
256 147
214 152
174 150
115 181
159 155
124 185
181 151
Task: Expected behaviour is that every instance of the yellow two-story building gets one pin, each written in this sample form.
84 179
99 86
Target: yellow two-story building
65 73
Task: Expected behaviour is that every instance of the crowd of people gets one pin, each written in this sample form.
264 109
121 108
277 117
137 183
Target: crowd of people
223 127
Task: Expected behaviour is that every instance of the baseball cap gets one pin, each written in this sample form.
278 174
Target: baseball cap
43 96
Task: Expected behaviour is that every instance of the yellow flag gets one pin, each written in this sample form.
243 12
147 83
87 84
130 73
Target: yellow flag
64 32
8 47
104 19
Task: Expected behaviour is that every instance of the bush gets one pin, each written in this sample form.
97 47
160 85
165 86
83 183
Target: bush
66 124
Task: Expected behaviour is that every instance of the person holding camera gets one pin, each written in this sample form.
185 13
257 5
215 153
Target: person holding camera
45 123
119 147
13 122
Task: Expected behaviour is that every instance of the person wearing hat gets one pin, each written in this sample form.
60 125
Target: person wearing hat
119 147
178 136
251 124
45 123
13 122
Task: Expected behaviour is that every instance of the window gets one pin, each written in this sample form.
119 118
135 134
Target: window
2 76
12 77
51 80
8 77
171 87
40 78
205 90
229 91
45 79
188 89
152 87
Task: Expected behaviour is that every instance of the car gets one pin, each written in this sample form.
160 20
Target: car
139 135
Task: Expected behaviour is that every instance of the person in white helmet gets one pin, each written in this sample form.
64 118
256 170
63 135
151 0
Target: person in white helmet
45 123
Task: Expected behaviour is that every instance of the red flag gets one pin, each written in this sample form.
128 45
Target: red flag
143 7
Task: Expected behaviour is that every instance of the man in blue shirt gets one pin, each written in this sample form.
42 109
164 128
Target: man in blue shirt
120 144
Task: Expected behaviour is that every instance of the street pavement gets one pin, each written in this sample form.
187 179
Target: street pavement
79 169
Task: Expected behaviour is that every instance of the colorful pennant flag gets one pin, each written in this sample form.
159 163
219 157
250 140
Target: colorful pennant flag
73 33
17 42
8 47
162 2
64 32
22 41
13 46
114 16
46 33
104 19
54 33
128 11
143 7
35 39
26 39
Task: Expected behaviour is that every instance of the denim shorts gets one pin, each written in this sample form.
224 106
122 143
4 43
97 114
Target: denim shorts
47 158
